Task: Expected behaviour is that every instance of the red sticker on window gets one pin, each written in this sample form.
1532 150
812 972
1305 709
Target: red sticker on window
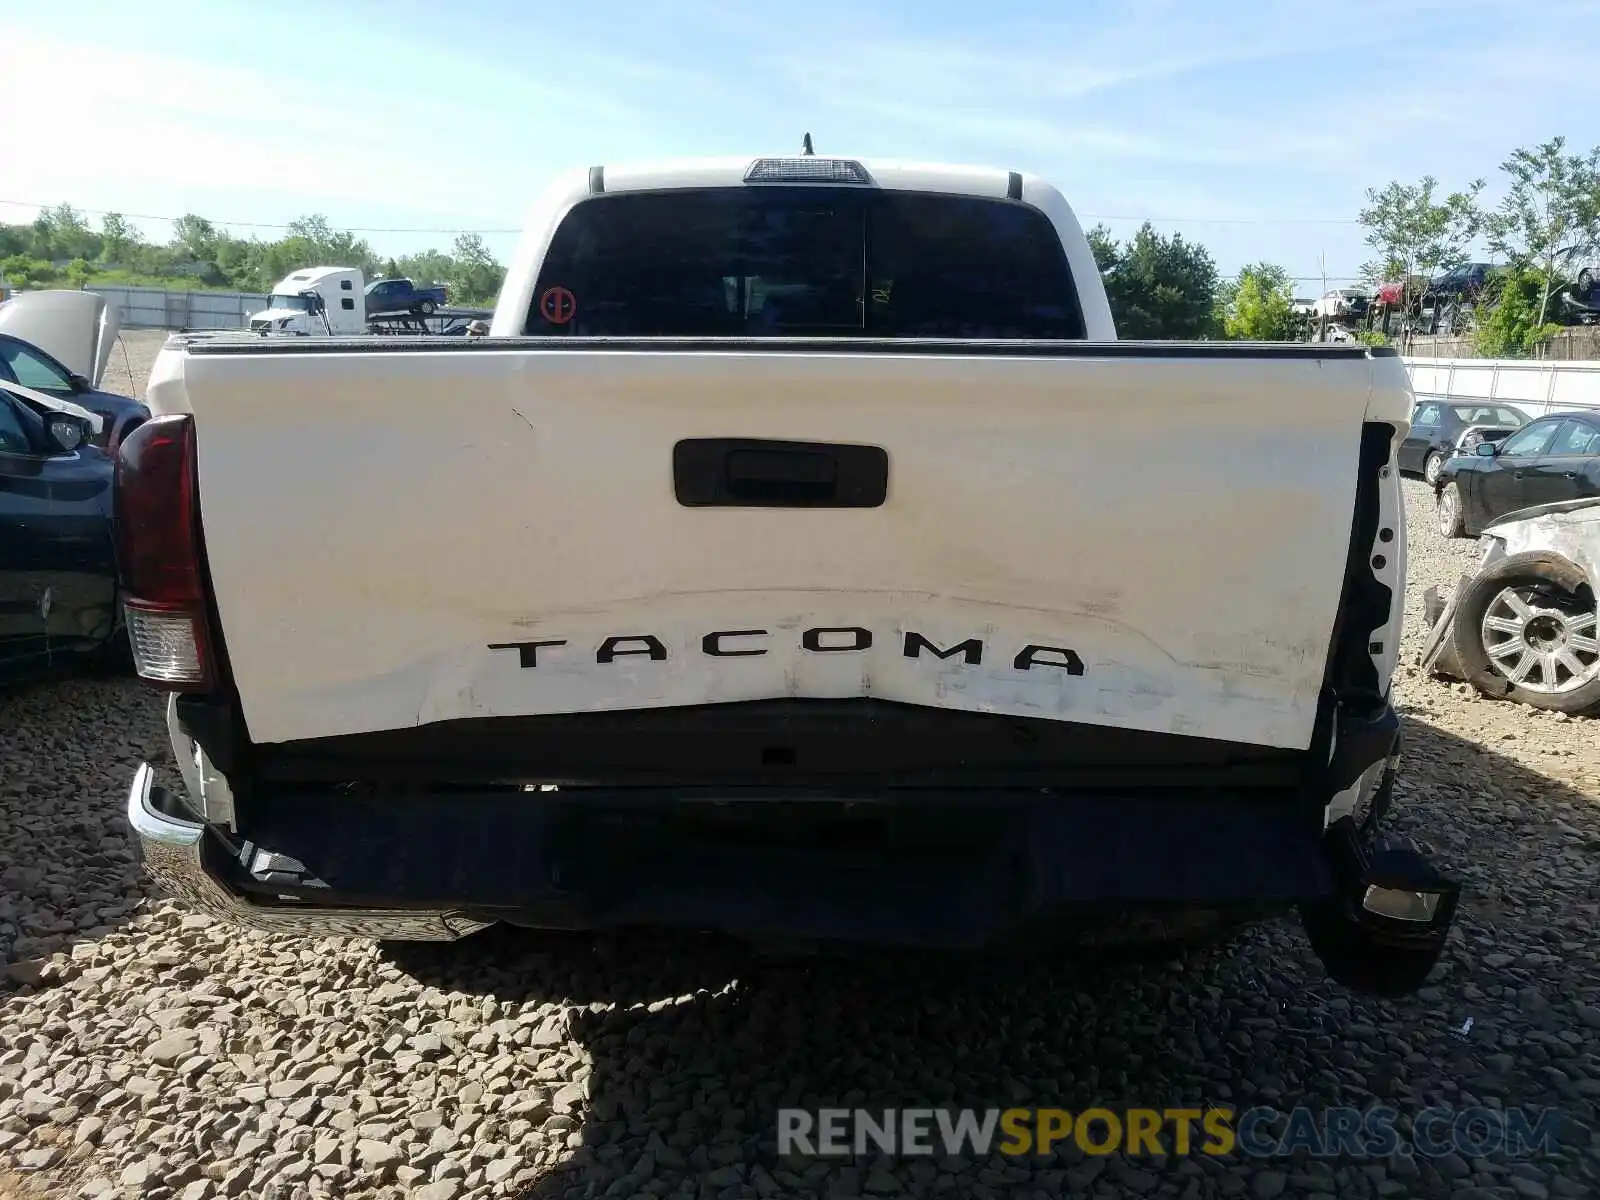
558 305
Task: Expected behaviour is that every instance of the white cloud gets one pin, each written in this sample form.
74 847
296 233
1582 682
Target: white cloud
1277 113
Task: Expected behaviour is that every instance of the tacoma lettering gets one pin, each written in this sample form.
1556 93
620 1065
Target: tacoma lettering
860 639
971 649
822 639
642 643
1028 657
712 643
528 652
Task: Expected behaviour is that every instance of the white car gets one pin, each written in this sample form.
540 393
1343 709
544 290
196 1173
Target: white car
1342 302
800 556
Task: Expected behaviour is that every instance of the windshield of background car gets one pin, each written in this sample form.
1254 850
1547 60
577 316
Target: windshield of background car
1532 440
1487 414
22 364
804 262
297 303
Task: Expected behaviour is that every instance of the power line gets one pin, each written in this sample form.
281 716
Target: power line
100 212
1223 220
103 212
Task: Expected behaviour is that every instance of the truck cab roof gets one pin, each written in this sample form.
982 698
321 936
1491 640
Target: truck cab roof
309 277
729 171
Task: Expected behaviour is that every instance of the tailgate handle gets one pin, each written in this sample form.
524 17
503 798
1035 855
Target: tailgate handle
781 475
757 473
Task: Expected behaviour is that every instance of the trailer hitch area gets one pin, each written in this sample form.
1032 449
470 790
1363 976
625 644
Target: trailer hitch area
1383 929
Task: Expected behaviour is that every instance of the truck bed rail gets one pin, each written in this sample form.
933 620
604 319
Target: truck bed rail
1280 351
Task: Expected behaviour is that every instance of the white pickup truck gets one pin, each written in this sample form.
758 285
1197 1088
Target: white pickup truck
799 556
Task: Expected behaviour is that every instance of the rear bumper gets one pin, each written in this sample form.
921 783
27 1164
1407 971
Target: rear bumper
937 868
175 847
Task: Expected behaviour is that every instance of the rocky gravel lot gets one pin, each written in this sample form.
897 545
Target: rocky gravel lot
145 1052
129 365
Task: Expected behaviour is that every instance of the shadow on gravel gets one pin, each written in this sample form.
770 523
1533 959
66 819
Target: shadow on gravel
695 1043
67 866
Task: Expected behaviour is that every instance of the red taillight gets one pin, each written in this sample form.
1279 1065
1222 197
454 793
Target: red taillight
158 555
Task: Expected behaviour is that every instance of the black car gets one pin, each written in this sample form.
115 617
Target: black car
1440 428
1554 458
58 594
24 363
1462 283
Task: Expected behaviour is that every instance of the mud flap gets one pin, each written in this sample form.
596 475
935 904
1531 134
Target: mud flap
1384 928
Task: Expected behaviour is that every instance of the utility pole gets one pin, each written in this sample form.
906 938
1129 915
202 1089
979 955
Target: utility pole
1322 315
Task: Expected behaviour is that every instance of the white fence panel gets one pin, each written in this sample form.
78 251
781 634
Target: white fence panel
1534 387
165 308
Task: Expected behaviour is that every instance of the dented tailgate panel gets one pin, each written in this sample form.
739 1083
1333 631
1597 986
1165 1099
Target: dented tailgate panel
1153 543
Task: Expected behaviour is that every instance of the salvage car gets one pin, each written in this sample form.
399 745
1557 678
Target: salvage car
1547 461
786 574
58 429
58 596
1345 303
1522 627
1440 429
59 342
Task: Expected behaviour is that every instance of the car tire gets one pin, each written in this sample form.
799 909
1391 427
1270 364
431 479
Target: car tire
1448 512
1540 592
1432 465
426 308
1585 283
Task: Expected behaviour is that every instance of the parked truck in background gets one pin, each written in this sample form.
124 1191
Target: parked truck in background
404 296
802 555
315 300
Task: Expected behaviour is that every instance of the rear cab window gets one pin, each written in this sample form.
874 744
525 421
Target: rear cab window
776 261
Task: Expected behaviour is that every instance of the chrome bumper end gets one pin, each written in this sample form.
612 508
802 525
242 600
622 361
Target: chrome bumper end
172 845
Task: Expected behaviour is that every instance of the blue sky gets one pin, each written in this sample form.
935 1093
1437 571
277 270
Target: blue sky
1254 129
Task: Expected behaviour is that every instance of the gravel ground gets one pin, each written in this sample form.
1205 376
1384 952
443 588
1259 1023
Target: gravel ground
130 363
147 1052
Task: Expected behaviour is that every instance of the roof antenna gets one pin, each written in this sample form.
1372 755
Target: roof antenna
805 147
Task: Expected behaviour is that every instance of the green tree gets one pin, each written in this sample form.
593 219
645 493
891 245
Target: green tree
314 238
477 276
1417 234
1551 212
48 250
118 237
24 271
1104 248
430 266
62 233
1259 306
1511 316
195 238
1161 288
78 273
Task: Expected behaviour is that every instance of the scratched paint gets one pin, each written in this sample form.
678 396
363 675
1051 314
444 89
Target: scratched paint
1202 605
